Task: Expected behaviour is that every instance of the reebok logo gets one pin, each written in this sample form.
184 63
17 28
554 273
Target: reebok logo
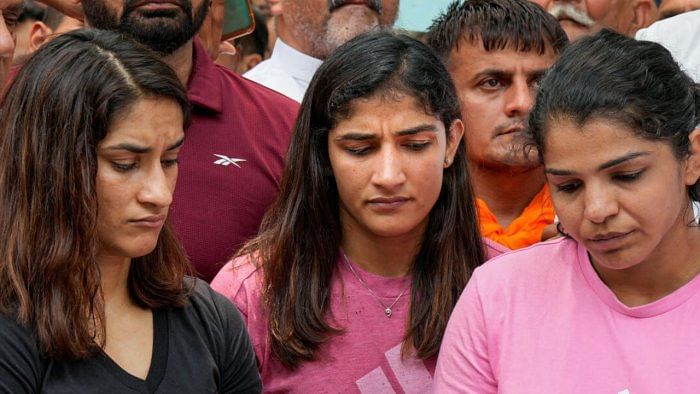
225 161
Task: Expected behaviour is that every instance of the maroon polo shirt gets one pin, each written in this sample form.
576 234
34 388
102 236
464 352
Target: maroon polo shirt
230 164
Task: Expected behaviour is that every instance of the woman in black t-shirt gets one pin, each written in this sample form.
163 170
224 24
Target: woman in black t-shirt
93 292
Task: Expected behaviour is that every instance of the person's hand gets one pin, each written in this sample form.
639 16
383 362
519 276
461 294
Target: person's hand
72 8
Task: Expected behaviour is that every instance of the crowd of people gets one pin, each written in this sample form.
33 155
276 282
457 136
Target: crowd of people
507 202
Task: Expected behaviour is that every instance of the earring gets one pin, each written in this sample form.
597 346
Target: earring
560 230
447 162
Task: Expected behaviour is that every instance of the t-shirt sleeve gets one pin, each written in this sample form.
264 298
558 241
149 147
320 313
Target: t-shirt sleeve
239 370
463 363
20 364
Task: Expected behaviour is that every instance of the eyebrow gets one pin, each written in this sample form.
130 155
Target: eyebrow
604 166
500 74
15 8
133 148
368 136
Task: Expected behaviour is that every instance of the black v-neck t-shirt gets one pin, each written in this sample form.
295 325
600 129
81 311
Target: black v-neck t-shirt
201 348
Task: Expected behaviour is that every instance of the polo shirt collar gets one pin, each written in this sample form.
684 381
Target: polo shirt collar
204 87
298 64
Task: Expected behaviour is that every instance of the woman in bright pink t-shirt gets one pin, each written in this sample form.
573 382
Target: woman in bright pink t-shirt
374 235
613 306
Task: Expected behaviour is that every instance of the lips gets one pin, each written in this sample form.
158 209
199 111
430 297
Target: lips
151 221
610 241
375 5
157 4
387 203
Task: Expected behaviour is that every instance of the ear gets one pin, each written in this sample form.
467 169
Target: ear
692 168
453 139
38 34
645 13
251 60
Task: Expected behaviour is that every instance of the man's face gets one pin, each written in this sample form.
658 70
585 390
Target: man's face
163 25
10 11
323 25
497 90
669 8
580 18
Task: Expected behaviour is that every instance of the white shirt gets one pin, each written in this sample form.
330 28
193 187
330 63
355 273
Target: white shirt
681 36
287 71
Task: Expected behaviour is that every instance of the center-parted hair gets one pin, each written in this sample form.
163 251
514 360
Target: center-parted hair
635 83
56 112
301 235
498 24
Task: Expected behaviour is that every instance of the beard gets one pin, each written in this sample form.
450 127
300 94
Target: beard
163 31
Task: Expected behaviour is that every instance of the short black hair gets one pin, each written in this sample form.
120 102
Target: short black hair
518 24
635 83
30 11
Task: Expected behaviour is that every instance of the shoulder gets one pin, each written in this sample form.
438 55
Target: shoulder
247 90
21 366
521 268
207 301
239 277
241 281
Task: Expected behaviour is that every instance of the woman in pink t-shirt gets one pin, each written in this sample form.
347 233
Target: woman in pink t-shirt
613 306
373 237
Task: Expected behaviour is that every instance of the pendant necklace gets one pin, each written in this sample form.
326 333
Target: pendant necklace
387 309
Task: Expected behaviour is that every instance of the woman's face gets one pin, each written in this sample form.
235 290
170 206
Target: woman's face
623 197
388 159
136 174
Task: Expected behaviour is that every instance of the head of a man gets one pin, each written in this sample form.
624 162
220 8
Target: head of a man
669 8
497 51
317 27
581 18
162 25
10 11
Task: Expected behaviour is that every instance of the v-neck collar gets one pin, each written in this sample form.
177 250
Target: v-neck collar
159 359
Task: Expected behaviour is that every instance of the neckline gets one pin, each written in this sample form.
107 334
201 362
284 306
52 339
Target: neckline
296 63
658 307
384 287
159 358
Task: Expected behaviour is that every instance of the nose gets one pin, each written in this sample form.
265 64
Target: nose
601 204
7 41
389 172
156 188
519 98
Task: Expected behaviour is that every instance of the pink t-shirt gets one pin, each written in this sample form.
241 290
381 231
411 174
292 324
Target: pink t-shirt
366 358
540 320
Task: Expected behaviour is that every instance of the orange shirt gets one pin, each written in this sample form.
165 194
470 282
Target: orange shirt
526 229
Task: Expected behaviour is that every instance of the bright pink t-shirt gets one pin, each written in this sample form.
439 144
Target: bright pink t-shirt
540 320
366 358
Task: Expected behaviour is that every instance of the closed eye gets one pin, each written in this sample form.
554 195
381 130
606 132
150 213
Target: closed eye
568 187
417 146
358 151
628 176
170 162
123 167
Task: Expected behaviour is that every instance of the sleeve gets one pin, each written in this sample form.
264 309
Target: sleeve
463 364
239 370
20 364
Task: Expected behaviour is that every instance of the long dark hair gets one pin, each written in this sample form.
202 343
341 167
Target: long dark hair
56 111
300 236
633 82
